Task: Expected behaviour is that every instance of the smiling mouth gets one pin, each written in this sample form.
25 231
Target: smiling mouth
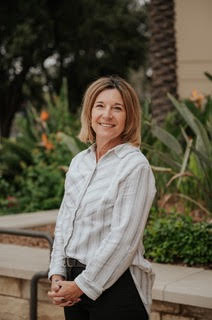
107 125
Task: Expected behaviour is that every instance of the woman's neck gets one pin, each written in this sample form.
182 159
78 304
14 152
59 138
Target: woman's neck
102 147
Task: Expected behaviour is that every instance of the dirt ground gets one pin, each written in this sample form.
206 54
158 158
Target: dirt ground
28 241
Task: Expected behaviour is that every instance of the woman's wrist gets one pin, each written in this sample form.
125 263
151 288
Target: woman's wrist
56 277
79 291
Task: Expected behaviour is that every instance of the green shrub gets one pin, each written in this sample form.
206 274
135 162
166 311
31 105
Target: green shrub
33 165
176 238
38 185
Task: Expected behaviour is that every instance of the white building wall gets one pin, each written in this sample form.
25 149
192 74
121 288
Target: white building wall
194 45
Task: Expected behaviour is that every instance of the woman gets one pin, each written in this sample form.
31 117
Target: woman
97 267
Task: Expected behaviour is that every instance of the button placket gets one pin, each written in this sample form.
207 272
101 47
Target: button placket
77 206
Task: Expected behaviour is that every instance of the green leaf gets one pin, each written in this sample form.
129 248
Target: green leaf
69 141
186 114
208 75
168 139
203 143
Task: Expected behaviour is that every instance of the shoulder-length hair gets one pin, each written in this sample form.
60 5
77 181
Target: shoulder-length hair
132 130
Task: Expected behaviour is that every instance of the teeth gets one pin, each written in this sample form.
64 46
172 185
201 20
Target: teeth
106 125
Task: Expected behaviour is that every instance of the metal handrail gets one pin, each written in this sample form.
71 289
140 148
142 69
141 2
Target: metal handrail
37 275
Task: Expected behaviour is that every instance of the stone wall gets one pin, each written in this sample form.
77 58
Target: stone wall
14 300
172 311
15 294
179 293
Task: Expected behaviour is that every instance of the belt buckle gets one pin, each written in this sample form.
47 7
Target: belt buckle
68 263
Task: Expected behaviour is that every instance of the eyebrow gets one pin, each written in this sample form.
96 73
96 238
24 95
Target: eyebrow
116 103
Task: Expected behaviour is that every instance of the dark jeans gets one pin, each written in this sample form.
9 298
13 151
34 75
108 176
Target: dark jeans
120 302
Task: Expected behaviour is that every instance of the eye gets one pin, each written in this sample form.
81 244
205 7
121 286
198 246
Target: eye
117 108
98 106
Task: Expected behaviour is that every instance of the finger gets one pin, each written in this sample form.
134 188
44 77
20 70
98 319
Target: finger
53 294
50 294
71 303
60 304
60 282
59 299
55 288
66 304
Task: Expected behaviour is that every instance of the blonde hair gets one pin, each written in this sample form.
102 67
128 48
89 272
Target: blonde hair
132 130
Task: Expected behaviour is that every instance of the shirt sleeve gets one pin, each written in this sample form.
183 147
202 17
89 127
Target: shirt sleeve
57 265
115 254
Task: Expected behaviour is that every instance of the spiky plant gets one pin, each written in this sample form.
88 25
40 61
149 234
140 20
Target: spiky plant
191 158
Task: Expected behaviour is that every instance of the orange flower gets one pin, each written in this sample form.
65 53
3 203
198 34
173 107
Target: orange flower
46 143
197 98
44 115
12 201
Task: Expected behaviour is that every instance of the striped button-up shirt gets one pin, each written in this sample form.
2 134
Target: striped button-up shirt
102 219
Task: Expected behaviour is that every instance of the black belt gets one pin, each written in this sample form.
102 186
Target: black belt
70 263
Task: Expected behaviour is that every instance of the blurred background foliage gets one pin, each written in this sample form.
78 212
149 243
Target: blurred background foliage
33 164
49 53
180 152
44 42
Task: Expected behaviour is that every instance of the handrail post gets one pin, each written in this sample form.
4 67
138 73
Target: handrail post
34 293
37 275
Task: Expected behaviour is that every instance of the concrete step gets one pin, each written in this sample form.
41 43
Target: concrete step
28 220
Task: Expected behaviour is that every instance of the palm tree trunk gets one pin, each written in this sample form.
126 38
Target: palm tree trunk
162 56
11 99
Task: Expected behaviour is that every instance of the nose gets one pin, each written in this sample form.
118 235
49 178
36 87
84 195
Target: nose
107 112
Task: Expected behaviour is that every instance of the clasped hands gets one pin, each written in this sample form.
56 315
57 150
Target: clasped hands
64 293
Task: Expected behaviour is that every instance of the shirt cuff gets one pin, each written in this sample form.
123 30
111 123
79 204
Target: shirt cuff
60 272
87 287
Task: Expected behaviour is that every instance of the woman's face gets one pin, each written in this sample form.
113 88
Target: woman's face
108 116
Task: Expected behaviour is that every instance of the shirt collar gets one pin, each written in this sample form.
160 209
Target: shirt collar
120 150
123 149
